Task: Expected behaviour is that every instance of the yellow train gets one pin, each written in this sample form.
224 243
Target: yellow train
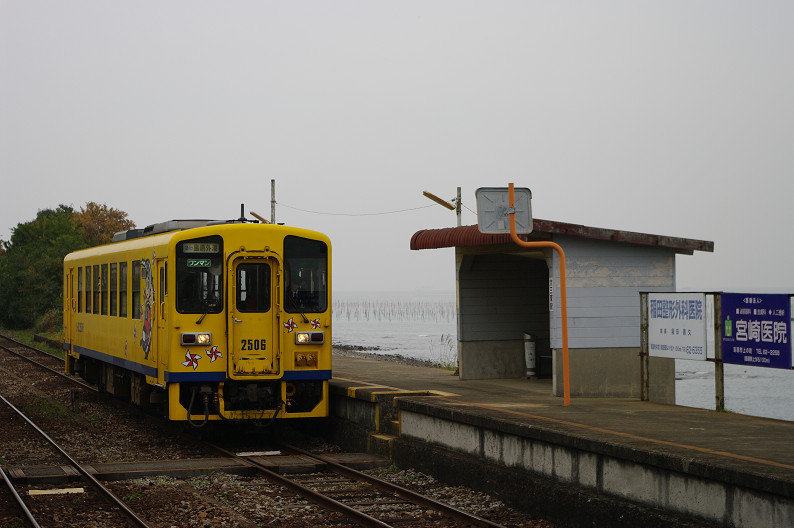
212 320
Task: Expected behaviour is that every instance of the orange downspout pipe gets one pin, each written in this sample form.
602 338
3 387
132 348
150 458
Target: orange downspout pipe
563 304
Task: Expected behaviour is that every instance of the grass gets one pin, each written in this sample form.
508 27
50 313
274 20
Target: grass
26 336
49 410
444 352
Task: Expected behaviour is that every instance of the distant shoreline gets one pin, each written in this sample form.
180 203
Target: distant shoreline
360 352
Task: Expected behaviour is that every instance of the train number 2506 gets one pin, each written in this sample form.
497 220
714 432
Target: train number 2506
253 344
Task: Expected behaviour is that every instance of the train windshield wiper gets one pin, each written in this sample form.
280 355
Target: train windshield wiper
295 307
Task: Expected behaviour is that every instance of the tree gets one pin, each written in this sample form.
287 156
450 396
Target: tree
31 269
31 263
99 223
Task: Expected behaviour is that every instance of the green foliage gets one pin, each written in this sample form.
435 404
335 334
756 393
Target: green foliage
31 269
31 263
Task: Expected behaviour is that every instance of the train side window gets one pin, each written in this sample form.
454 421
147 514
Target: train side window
103 283
253 287
79 290
88 289
163 283
114 289
122 289
97 290
136 289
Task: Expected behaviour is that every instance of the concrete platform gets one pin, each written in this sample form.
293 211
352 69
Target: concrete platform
721 468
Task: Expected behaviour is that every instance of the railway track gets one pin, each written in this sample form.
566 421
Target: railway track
49 362
116 504
362 498
347 496
392 504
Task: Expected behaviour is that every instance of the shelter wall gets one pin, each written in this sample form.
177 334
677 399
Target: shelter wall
500 297
505 293
603 281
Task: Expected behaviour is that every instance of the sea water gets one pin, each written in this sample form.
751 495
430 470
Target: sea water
418 325
423 325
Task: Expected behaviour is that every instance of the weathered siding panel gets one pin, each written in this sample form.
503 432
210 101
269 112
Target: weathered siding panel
603 281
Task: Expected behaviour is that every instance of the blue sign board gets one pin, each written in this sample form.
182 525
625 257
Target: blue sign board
756 329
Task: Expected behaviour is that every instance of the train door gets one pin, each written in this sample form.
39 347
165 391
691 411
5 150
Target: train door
161 312
253 331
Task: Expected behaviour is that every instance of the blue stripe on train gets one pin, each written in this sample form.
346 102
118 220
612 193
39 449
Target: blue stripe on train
175 377
119 362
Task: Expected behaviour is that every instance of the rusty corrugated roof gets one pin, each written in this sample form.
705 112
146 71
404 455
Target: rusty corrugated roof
544 229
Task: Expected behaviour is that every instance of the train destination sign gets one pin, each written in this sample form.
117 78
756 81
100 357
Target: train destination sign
677 325
201 247
756 329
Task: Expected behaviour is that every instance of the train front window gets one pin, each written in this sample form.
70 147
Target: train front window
306 271
199 275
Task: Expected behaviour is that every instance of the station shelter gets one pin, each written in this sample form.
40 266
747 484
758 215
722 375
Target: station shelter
508 295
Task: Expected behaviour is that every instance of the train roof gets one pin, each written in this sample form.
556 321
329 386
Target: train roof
164 232
165 227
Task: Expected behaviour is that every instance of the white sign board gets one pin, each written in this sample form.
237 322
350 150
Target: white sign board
677 325
493 209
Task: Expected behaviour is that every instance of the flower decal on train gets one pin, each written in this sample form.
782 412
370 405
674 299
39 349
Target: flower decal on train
290 325
213 353
315 324
191 360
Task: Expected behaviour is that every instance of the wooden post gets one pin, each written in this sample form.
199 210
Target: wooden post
719 376
645 381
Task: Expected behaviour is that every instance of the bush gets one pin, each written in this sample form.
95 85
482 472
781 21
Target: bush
50 323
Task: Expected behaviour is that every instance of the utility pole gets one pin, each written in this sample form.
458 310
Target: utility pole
272 201
457 206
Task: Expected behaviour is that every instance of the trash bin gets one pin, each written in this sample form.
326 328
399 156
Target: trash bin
529 354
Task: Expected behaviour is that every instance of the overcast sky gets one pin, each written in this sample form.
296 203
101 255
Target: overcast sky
673 118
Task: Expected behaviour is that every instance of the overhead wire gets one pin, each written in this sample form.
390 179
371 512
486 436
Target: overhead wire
368 214
354 214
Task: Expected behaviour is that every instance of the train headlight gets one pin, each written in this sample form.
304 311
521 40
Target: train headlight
197 338
309 338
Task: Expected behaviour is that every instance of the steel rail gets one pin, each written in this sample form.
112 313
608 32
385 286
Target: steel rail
20 502
101 487
18 342
404 493
49 369
324 501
